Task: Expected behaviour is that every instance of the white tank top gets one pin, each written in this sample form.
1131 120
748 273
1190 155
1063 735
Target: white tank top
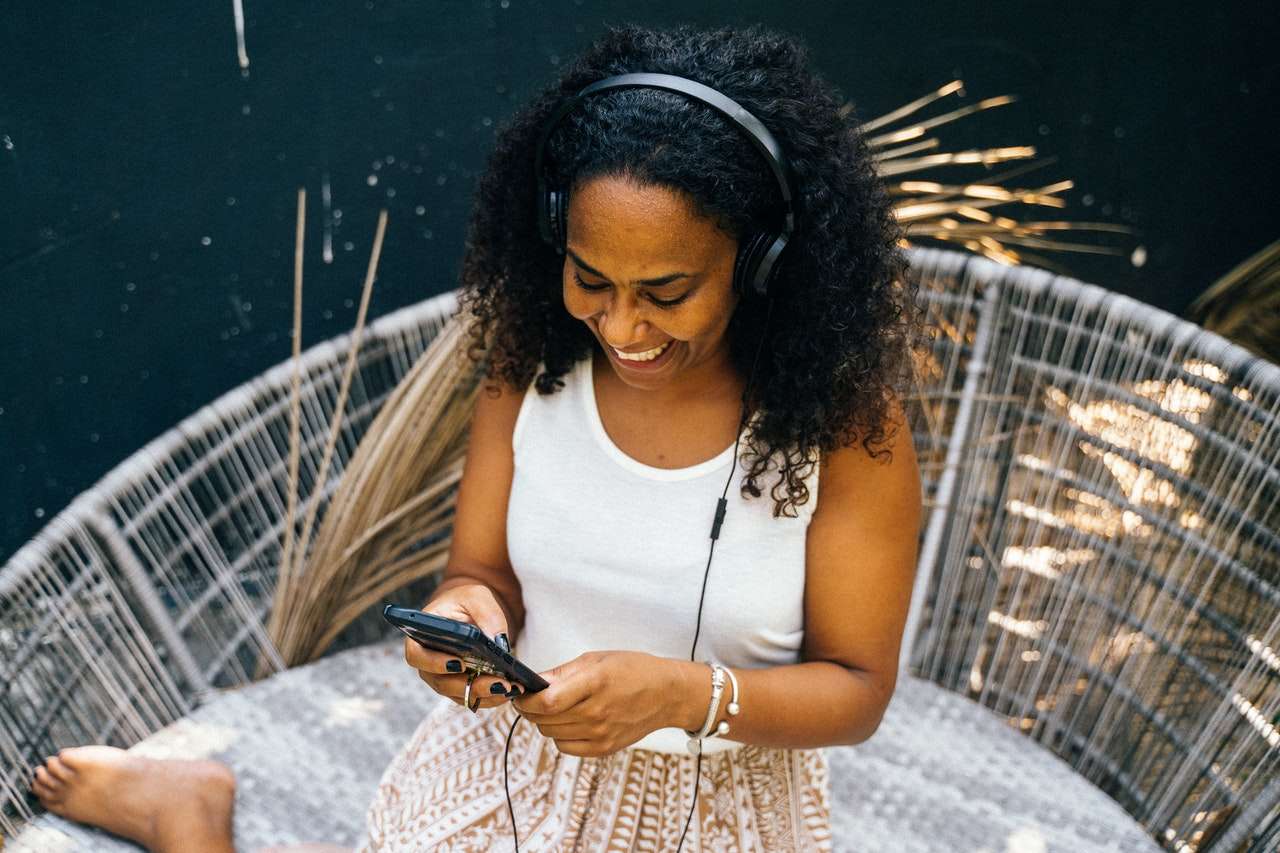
610 552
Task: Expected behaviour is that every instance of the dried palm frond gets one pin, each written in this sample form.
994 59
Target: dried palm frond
387 523
1244 305
957 214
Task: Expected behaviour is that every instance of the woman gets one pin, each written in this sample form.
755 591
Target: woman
631 380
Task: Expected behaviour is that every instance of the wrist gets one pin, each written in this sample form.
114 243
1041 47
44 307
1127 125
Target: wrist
448 583
691 687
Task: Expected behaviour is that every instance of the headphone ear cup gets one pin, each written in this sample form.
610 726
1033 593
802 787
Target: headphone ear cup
751 252
557 207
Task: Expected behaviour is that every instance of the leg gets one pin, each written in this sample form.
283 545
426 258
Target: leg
166 806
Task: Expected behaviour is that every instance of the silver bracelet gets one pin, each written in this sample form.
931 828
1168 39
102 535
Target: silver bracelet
734 707
718 674
695 738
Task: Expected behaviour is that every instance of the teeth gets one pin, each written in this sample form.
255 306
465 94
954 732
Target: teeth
647 355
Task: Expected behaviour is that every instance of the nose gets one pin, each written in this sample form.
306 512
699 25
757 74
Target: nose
621 323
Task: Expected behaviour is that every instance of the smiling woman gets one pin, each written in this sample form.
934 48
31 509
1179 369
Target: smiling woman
710 276
627 365
665 332
635 158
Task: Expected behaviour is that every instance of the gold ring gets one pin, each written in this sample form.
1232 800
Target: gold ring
466 695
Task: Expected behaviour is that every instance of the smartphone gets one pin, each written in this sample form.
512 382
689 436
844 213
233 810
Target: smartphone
465 641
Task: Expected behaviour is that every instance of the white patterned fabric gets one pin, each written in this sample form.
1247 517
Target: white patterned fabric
444 793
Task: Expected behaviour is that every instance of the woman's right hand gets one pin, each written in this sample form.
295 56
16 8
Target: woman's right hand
475 604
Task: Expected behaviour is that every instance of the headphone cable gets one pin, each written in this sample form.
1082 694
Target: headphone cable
721 508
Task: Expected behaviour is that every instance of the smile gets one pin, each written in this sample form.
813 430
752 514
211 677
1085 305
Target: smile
647 355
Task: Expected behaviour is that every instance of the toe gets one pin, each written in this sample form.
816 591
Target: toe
59 769
70 757
46 787
47 779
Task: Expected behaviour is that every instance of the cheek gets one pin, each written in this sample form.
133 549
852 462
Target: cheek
574 302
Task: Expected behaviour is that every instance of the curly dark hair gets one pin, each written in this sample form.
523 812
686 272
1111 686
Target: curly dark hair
837 344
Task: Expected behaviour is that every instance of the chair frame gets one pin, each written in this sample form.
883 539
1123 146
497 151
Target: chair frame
149 594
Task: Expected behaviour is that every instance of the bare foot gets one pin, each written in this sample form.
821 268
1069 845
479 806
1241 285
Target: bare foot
161 804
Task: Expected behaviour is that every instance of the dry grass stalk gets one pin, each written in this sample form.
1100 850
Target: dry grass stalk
916 131
927 209
297 616
907 109
1244 305
284 579
389 519
348 372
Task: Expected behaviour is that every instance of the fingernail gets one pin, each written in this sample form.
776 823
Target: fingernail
497 687
514 691
454 666
502 640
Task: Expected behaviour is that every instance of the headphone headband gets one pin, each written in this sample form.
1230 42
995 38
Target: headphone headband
760 252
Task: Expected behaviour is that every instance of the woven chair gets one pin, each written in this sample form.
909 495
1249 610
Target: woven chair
1091 655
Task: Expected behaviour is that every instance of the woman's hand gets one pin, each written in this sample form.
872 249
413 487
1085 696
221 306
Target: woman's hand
475 604
600 702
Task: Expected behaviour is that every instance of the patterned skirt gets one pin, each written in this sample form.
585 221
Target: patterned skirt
444 793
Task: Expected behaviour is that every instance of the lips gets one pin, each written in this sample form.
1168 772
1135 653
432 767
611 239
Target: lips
643 355
647 365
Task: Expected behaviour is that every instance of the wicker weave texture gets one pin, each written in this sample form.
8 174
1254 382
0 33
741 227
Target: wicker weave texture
1100 565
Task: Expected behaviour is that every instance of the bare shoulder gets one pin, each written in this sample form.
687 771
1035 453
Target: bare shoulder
497 408
884 480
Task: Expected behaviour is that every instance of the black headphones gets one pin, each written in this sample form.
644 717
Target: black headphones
757 261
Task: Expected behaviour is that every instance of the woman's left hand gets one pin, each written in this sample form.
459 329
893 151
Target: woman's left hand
600 702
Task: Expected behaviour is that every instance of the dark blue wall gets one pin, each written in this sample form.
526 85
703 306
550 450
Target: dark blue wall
146 228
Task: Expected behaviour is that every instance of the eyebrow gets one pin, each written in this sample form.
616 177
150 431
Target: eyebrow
645 282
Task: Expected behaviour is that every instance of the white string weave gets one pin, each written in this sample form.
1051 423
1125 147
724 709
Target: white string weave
1100 564
1104 569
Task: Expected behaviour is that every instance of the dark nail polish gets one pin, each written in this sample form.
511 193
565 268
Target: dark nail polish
513 692
503 642
497 687
454 666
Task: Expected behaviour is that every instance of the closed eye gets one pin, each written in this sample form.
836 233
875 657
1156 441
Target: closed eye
595 288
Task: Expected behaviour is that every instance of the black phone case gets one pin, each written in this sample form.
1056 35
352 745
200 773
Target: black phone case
468 642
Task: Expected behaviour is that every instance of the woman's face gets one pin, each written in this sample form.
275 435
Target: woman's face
651 279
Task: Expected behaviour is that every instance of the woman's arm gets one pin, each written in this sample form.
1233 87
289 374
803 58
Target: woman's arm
478 552
859 568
